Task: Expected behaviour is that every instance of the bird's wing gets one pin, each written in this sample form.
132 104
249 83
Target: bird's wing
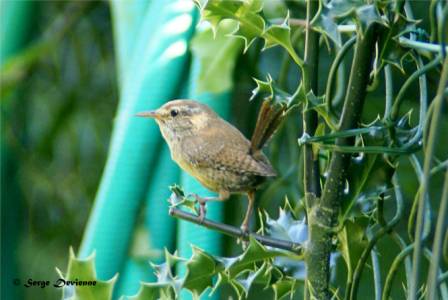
223 146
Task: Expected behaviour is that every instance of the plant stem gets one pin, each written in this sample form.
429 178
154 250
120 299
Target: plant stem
422 46
376 269
237 232
376 237
389 86
438 236
310 80
421 71
318 271
429 154
334 67
323 214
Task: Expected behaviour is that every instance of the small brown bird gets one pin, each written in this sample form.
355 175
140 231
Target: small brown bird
214 152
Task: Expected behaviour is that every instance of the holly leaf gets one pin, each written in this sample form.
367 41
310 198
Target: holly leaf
333 13
214 11
84 270
178 199
149 290
353 241
264 88
250 23
217 54
255 252
250 27
281 35
367 15
318 104
391 51
327 26
245 280
286 227
167 282
201 268
284 287
225 278
278 35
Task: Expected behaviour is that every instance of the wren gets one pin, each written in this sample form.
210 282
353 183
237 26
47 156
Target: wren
215 152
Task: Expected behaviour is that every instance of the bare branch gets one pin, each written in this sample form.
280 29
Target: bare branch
236 232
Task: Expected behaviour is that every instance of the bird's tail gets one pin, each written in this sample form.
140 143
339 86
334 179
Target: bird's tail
270 116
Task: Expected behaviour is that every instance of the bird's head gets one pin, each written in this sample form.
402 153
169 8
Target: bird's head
180 117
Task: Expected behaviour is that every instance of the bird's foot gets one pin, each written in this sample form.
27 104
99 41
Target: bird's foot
245 234
202 207
245 229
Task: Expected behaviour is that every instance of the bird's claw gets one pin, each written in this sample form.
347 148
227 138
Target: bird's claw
202 209
202 212
243 239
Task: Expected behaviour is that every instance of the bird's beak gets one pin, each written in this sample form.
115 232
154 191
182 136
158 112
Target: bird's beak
149 114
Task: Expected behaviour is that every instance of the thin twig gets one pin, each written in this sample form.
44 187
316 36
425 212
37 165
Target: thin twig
376 237
429 154
350 28
236 232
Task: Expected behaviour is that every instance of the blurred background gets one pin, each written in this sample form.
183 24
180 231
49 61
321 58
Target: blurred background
58 99
73 73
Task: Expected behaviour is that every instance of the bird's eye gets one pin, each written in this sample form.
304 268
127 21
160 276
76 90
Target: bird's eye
174 112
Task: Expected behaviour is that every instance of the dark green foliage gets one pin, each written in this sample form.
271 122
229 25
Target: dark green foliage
58 98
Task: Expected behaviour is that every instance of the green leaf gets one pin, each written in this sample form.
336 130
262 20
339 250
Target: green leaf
285 287
391 51
224 278
369 174
154 291
367 15
84 270
333 13
327 26
178 199
278 35
201 268
167 282
318 104
250 24
214 11
281 35
264 88
269 91
217 54
255 252
342 8
353 241
246 280
286 227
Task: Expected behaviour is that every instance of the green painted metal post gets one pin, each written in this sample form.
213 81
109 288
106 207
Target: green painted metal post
155 73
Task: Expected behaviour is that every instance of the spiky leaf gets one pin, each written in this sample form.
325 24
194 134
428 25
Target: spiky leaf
285 287
84 270
217 54
201 268
353 241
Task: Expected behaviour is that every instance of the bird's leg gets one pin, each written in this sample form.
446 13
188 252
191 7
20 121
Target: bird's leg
224 195
250 208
